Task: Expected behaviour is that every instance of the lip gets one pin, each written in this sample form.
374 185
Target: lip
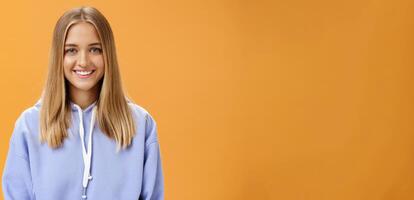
83 76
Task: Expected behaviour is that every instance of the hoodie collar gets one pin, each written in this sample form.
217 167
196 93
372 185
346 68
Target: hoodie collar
72 105
87 109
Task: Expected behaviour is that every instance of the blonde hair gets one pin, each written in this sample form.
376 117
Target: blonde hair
113 113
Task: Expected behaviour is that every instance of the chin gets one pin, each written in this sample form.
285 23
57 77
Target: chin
83 87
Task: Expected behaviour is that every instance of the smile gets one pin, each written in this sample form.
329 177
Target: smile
84 73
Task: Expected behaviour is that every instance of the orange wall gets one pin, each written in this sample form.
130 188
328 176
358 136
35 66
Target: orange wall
292 100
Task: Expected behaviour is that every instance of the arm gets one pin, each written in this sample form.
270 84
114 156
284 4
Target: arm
16 180
153 180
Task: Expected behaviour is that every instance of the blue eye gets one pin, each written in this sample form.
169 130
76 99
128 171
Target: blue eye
73 51
70 50
97 50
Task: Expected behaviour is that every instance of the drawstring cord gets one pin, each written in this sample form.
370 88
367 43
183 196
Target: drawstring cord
87 155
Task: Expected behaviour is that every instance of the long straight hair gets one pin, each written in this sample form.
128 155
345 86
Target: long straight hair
113 113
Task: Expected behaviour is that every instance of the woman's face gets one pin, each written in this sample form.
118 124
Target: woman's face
83 61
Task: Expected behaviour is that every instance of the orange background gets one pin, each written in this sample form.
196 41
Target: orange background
257 99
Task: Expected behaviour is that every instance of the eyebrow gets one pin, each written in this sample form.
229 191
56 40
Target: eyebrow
74 45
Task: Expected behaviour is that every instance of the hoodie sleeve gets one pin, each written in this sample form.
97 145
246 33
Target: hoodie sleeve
16 179
153 180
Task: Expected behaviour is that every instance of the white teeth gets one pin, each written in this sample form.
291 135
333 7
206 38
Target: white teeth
83 72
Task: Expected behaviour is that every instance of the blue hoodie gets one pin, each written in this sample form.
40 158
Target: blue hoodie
35 171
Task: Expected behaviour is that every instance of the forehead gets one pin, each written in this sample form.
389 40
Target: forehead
81 33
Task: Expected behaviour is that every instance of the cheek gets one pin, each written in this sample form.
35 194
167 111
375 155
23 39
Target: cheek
67 64
98 62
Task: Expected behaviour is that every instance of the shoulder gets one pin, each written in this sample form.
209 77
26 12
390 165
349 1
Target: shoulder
29 116
149 125
140 112
26 129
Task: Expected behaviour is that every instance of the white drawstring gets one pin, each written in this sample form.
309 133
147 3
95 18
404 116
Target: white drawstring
87 155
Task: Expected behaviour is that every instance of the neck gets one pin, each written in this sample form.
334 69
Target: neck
83 98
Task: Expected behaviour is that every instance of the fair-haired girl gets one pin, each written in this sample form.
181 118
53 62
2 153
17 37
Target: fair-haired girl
84 139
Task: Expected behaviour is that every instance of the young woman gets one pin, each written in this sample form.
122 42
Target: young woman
84 139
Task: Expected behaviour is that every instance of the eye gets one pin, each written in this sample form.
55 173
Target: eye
96 50
70 51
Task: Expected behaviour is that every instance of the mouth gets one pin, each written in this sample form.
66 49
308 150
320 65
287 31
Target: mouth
83 73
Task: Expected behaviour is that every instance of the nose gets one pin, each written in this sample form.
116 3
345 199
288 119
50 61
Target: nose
83 59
